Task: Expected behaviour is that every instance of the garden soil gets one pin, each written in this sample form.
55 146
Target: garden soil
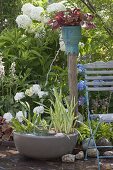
10 159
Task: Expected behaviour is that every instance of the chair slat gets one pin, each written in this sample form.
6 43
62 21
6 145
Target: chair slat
99 72
103 83
100 88
99 64
99 77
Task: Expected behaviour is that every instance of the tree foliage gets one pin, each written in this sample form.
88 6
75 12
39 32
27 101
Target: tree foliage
8 12
98 42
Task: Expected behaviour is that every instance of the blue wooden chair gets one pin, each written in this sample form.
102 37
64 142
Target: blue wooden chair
103 74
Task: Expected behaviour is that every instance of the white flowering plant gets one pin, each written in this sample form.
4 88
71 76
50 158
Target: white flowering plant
28 117
30 123
29 13
30 95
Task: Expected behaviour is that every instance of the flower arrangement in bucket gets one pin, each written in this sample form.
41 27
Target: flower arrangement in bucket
70 17
46 134
71 21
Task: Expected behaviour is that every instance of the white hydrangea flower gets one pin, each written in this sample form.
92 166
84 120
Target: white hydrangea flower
29 92
23 21
38 109
31 30
2 68
102 13
12 69
8 116
20 115
45 19
36 88
67 110
61 43
106 18
81 44
19 96
62 46
41 33
56 7
27 8
35 14
37 35
2 71
42 93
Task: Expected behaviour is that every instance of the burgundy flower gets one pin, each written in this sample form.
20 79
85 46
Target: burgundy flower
71 18
89 25
88 17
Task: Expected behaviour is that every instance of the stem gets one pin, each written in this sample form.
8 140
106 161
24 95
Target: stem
110 95
47 77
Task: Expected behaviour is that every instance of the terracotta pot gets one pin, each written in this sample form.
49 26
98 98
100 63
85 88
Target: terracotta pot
44 147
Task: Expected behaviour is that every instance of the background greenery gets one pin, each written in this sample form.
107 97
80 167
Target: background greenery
33 55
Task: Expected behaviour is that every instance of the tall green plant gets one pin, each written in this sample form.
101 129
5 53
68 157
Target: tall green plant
29 52
63 117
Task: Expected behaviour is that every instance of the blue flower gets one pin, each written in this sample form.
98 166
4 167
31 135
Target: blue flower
96 81
80 68
81 85
81 100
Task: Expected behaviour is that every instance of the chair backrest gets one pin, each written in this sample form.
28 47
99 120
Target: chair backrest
99 76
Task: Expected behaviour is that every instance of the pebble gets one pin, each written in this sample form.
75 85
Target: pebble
85 143
104 142
108 153
107 166
92 152
80 155
68 158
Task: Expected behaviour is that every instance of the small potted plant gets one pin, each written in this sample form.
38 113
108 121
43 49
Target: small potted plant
39 137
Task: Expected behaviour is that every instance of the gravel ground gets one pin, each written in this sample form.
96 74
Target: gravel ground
10 159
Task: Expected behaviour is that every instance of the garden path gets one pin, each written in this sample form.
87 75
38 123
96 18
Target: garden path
10 159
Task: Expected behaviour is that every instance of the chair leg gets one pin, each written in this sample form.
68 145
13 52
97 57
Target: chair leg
95 146
97 153
86 153
98 160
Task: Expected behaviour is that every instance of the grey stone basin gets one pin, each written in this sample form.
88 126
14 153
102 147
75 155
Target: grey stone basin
44 147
